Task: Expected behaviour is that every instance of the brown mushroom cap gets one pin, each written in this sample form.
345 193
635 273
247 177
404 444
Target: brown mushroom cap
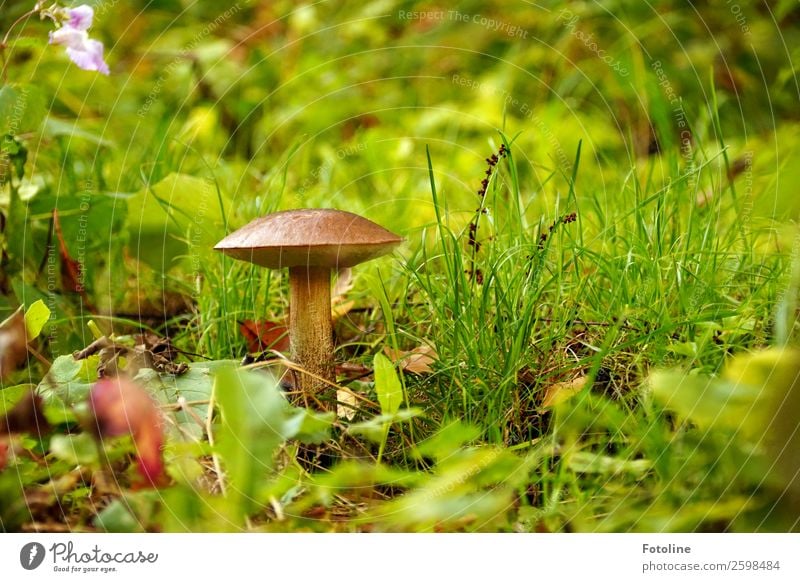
309 237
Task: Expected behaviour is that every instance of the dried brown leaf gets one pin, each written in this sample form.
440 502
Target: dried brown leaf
343 286
417 361
265 335
347 404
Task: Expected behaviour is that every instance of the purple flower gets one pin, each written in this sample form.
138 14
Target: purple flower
85 52
80 18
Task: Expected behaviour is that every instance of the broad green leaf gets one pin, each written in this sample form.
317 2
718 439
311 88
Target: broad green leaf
308 426
758 397
587 462
116 517
447 440
375 428
777 373
474 486
35 318
358 476
710 403
194 386
387 385
65 381
256 420
178 216
22 108
56 127
11 395
76 449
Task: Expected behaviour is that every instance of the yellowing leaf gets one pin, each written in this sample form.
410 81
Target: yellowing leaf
35 318
562 391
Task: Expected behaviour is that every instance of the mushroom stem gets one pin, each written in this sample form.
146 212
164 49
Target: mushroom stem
310 328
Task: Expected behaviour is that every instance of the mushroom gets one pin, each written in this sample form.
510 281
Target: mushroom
311 243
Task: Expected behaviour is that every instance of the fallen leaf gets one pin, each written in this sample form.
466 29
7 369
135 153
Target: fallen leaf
341 309
417 361
122 407
347 404
13 343
339 304
159 354
265 335
562 391
344 283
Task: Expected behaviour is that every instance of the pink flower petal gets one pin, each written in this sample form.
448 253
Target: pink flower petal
85 52
89 57
69 37
80 17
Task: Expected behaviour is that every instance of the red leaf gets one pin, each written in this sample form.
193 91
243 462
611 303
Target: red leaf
13 343
121 407
265 335
71 270
3 455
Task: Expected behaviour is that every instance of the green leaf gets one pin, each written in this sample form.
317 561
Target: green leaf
375 428
56 127
256 420
65 381
387 385
757 397
35 318
474 486
180 215
709 403
194 386
75 449
11 395
587 462
447 441
308 426
22 109
117 518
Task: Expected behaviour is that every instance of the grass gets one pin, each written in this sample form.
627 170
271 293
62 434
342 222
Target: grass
644 278
601 249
